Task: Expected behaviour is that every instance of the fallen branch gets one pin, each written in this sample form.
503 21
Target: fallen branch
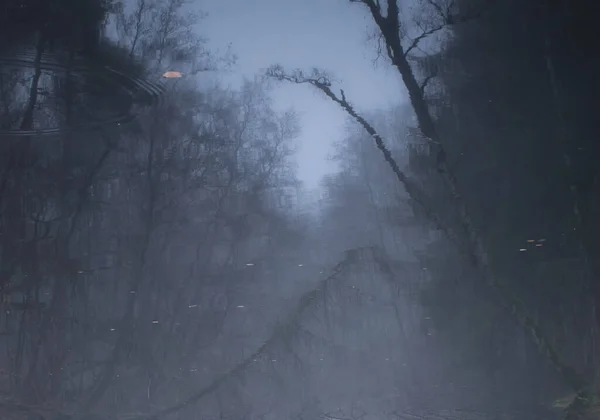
280 332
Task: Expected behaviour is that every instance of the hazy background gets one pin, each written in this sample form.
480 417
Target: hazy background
312 33
171 269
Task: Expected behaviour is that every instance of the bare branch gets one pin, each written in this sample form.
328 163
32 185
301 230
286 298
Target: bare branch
428 79
445 14
415 42
446 18
324 85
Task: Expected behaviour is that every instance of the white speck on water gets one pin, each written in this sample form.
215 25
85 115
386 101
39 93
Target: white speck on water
522 249
155 322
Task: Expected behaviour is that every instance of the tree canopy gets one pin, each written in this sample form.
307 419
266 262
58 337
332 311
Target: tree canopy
161 259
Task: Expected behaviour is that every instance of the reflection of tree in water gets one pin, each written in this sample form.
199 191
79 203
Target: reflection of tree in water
135 258
123 249
59 74
50 93
78 207
45 77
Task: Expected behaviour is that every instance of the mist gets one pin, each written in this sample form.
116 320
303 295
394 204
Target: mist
342 210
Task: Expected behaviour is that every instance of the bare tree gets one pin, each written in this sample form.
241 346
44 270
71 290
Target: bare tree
387 19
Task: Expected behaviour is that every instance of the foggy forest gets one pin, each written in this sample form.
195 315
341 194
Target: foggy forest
162 259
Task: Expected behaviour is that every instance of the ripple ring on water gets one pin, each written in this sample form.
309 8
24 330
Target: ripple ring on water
140 92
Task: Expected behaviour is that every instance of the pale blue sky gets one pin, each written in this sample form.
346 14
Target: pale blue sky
329 34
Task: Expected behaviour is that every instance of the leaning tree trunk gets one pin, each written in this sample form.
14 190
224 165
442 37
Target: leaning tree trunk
586 399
